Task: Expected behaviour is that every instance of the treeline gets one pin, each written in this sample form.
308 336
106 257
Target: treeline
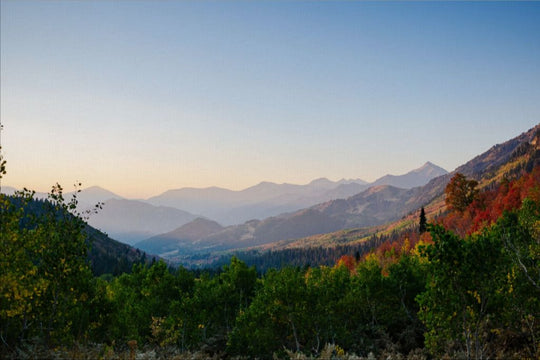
301 257
440 294
105 255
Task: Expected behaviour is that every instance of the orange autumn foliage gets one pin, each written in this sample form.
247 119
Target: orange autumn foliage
484 211
489 205
349 262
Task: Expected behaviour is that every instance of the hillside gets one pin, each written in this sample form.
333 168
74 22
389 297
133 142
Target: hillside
375 206
106 256
507 160
371 207
131 221
182 238
414 178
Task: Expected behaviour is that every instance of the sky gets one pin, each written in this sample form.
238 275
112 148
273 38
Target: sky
144 96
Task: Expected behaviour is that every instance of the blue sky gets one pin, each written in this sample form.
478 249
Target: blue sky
141 97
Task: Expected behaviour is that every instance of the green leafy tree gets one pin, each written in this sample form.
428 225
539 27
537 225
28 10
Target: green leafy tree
237 285
381 306
45 277
464 297
144 299
520 235
276 318
367 303
406 279
21 288
219 300
327 289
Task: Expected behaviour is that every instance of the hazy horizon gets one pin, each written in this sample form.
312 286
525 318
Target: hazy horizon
143 97
72 187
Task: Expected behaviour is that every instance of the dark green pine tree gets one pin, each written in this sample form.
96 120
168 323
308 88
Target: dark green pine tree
423 222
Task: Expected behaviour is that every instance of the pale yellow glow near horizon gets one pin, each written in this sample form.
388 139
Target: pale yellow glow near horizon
137 165
137 186
196 98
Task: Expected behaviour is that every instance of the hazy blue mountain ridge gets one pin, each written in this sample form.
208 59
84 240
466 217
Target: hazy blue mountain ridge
270 199
376 205
131 221
181 238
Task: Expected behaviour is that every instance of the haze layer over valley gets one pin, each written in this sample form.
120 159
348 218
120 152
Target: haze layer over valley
131 221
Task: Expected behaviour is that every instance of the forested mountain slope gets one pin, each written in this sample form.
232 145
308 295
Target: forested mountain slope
510 160
466 287
106 255
416 295
182 237
375 206
504 159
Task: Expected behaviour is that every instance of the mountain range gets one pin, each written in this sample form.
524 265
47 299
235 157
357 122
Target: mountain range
296 211
267 199
131 221
373 206
378 204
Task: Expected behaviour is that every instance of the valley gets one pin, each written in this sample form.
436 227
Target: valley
273 180
265 213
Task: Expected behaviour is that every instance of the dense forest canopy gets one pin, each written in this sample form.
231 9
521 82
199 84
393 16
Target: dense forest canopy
467 287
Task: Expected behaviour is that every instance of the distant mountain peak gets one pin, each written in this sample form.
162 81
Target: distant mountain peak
414 178
194 229
267 183
322 182
98 190
95 188
429 166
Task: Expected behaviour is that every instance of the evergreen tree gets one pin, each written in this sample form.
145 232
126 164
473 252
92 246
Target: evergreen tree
2 166
423 221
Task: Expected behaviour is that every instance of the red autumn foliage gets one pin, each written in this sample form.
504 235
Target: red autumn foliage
489 205
349 262
484 211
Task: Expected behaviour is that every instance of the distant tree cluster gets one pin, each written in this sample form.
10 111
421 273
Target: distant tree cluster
301 257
